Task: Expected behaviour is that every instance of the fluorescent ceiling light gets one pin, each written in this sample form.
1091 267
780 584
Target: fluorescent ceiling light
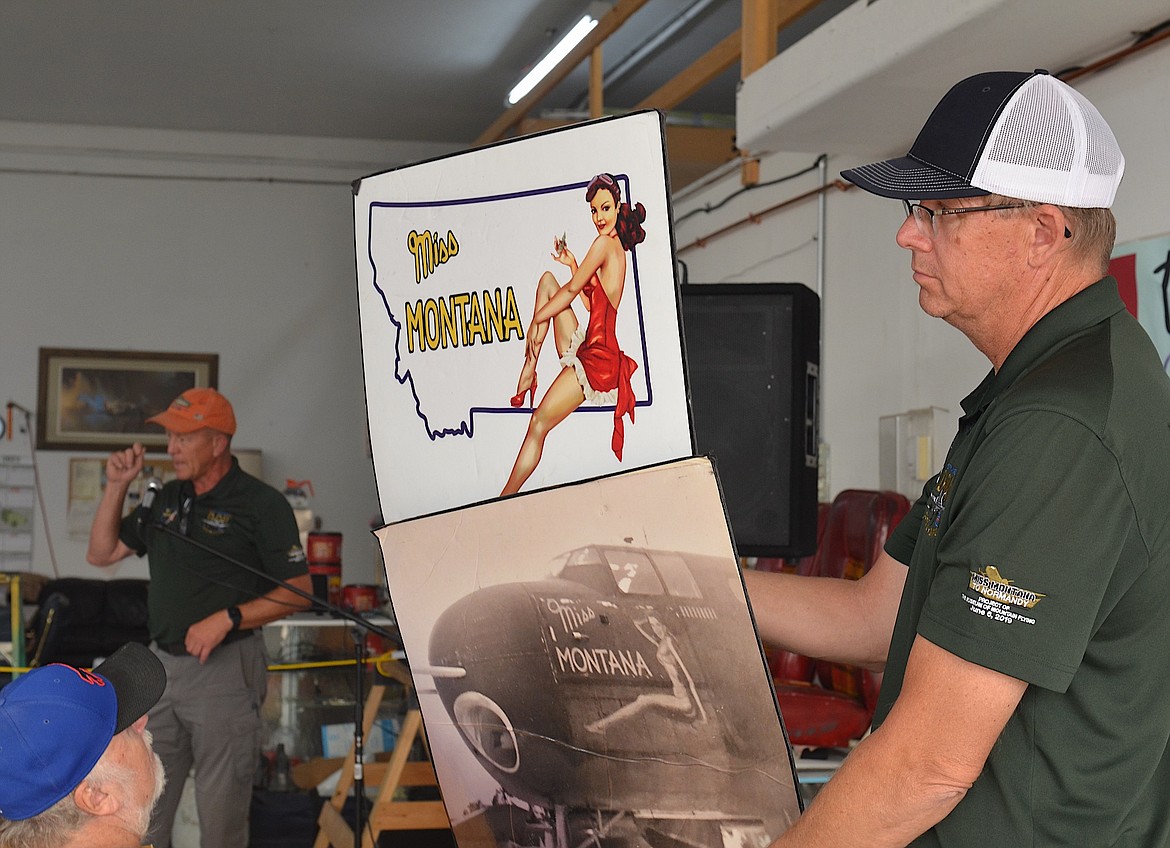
572 38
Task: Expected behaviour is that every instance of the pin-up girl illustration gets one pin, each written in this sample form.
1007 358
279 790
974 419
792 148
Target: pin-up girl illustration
683 700
593 366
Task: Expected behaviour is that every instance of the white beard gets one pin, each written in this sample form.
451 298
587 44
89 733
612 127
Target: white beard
138 818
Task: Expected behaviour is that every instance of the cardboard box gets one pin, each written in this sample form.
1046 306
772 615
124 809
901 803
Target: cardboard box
337 739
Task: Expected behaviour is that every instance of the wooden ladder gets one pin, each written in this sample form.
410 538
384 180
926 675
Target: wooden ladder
386 813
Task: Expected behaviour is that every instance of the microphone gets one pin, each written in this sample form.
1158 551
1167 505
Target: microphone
153 487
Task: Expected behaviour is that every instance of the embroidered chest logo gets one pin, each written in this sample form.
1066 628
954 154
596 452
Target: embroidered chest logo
937 502
216 523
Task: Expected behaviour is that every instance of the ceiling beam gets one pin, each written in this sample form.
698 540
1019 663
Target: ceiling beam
697 75
727 52
596 83
758 25
762 19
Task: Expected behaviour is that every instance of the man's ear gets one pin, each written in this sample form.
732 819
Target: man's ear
1049 226
93 800
221 442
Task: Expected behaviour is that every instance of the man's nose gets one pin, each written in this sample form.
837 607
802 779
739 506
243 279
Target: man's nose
910 237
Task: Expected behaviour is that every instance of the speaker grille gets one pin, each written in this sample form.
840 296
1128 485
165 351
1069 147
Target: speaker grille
752 357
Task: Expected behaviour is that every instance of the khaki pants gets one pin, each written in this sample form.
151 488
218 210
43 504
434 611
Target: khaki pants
209 718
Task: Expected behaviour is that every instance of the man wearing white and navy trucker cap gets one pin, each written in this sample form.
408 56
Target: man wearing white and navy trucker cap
1019 611
1027 135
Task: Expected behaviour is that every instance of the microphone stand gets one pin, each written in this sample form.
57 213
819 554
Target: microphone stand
359 636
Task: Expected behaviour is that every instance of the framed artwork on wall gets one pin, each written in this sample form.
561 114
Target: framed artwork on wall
100 399
87 480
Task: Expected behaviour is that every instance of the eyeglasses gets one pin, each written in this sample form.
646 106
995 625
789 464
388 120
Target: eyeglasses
602 180
925 218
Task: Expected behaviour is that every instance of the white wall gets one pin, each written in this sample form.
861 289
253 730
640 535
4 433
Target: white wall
880 354
239 246
243 246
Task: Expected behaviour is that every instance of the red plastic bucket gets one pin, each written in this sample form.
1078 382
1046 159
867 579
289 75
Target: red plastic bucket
324 548
324 556
359 597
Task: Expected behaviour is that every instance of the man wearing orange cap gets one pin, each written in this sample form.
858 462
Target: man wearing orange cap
205 612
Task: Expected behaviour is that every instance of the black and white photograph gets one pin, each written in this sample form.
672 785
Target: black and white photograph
587 667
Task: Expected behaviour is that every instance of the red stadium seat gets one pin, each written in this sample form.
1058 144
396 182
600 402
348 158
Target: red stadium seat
832 704
786 666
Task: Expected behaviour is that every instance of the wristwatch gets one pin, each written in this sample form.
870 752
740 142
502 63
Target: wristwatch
236 616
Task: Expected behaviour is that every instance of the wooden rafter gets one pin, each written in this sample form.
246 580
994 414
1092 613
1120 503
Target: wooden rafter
753 45
700 72
726 53
758 26
596 83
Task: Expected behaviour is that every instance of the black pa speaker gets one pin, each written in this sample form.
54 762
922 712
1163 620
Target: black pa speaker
753 355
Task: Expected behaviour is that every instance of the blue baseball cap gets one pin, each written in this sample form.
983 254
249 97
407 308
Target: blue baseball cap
57 721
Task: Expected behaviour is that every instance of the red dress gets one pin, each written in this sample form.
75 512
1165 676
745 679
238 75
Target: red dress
602 369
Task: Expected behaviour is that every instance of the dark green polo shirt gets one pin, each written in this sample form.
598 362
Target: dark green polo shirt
242 518
1042 550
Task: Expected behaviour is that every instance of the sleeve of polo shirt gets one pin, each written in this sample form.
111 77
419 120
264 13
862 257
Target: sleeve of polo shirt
130 533
278 540
900 543
1029 551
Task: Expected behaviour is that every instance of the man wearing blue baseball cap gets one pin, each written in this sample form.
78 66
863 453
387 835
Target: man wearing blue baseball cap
76 764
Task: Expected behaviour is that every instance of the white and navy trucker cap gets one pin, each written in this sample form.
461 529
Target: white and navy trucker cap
1024 135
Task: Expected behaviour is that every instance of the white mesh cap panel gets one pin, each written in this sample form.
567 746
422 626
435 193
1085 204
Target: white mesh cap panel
1051 145
1104 157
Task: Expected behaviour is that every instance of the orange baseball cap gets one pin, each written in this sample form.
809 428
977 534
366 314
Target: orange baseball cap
195 409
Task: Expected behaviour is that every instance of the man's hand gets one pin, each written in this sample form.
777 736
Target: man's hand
204 636
124 465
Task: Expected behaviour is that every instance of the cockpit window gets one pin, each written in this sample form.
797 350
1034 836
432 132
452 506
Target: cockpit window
633 572
584 556
677 575
585 566
558 563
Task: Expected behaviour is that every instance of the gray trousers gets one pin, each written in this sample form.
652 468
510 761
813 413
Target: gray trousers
209 718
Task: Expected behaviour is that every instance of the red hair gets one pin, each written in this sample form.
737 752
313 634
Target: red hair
629 221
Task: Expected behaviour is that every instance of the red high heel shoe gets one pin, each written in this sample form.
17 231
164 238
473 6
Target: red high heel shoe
518 399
